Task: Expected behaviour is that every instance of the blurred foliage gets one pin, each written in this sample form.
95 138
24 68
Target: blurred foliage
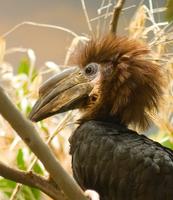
23 88
169 11
26 193
20 160
167 143
7 186
24 67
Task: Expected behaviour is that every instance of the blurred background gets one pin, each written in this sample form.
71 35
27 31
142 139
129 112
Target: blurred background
36 41
51 44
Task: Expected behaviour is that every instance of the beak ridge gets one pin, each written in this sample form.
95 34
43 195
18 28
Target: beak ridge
63 92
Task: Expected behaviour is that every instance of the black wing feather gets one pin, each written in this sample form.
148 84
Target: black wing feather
120 164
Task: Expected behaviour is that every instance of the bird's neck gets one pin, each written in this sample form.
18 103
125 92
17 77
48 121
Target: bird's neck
103 119
107 121
94 127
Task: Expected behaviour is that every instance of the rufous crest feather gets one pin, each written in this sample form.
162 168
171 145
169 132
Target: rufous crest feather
135 87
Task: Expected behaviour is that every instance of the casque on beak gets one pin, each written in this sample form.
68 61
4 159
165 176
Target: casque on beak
65 91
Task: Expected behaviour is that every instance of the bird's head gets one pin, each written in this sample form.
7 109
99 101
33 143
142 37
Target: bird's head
112 80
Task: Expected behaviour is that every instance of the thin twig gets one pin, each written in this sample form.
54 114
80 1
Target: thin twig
86 15
30 136
31 180
106 16
16 49
16 190
18 185
109 14
99 19
39 25
116 13
160 34
101 16
104 7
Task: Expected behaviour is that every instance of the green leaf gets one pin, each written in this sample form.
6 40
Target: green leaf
6 183
7 186
167 143
24 67
36 193
37 169
29 193
169 11
20 160
28 109
26 193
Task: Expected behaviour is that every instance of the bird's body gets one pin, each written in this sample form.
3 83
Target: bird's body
115 85
120 164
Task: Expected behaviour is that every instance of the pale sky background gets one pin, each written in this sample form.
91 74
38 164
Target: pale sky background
50 44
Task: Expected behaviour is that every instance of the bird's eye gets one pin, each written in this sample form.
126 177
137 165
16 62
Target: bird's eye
91 69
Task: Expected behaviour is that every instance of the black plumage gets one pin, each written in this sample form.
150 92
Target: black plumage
115 86
120 164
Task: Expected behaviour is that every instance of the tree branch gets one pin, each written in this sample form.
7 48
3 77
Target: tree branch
32 180
60 126
116 13
30 136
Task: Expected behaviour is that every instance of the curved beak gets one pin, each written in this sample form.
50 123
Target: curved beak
65 91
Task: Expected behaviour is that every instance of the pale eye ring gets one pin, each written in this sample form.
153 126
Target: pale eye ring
91 69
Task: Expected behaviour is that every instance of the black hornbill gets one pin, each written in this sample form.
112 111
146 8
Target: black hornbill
115 86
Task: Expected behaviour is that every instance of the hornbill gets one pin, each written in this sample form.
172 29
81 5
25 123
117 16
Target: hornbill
117 88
